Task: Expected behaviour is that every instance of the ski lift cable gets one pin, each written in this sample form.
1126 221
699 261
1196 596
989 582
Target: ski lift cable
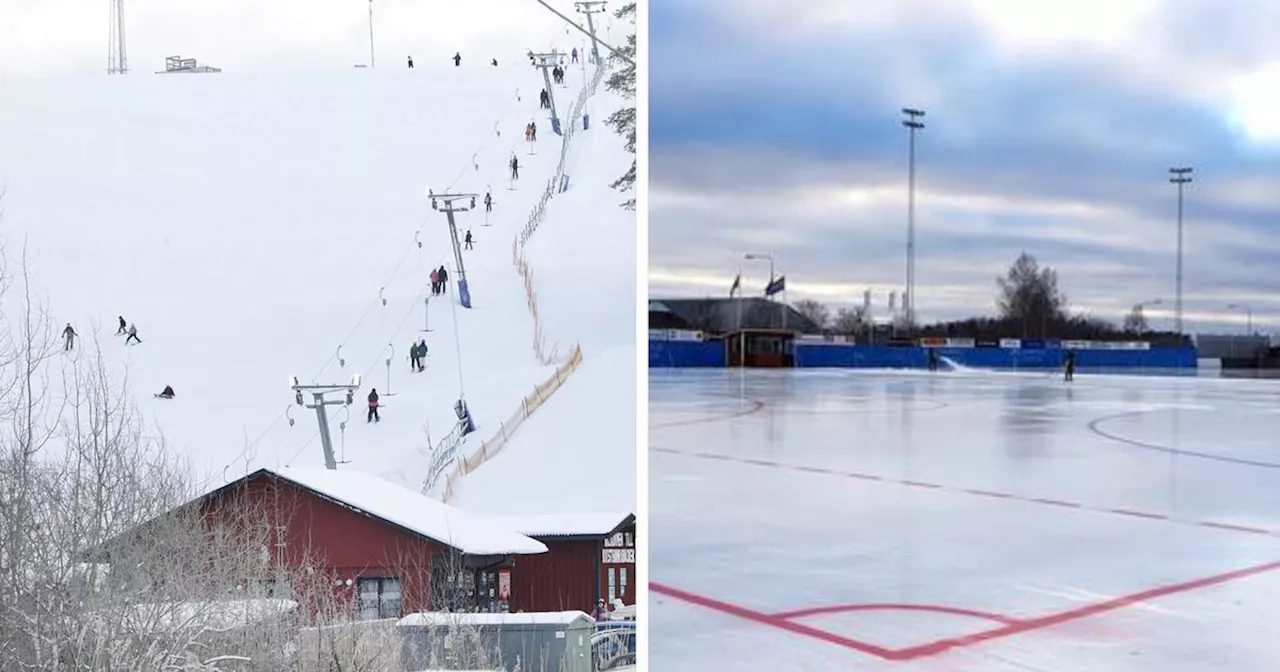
413 308
415 243
488 140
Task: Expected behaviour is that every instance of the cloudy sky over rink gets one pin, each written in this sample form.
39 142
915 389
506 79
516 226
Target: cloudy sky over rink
1050 128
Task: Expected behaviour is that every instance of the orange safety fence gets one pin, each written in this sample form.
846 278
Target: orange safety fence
506 429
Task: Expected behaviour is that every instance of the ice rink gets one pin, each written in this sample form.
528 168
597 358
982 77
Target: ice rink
963 521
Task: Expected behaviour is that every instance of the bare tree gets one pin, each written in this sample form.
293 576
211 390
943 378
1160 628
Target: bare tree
1136 321
850 321
815 311
1029 294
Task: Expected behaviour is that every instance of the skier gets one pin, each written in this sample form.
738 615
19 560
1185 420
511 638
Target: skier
488 202
574 54
533 131
515 167
528 132
435 282
373 406
422 355
133 335
444 279
414 363
167 393
124 327
457 59
70 335
544 100
1069 366
468 240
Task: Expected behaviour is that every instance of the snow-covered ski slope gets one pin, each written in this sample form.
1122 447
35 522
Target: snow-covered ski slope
250 224
581 443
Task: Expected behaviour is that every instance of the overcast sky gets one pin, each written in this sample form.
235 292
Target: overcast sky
775 127
43 37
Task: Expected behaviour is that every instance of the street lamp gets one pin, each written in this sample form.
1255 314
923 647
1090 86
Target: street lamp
1180 178
1137 307
1248 315
913 124
769 258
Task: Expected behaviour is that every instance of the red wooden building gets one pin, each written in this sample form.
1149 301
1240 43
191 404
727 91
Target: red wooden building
394 548
589 556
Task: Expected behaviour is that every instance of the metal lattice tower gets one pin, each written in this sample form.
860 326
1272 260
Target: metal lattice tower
117 61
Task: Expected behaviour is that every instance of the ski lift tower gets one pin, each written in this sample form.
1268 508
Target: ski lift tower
319 402
464 291
546 61
590 7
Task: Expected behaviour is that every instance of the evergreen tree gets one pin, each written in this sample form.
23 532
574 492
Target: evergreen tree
624 120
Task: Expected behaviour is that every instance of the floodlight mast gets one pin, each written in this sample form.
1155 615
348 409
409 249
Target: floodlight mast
319 402
445 202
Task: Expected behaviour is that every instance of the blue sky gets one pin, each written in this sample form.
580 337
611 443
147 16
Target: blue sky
1050 128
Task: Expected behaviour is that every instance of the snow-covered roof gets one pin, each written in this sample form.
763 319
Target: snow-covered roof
431 618
570 525
414 511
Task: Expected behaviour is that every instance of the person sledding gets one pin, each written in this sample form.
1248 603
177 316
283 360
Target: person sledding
373 406
167 393
133 335
124 327
69 335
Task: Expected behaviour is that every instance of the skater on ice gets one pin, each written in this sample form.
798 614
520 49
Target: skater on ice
167 393
1069 366
124 327
133 335
69 335
933 359
373 406
468 240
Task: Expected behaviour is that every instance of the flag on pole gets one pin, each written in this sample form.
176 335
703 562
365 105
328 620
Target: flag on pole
776 286
737 285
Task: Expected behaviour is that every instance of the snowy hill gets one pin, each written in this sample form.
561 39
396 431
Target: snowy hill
257 227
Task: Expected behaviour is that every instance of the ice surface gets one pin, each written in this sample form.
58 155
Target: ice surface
250 224
974 521
415 511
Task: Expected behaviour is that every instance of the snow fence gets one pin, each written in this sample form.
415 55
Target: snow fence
488 449
558 183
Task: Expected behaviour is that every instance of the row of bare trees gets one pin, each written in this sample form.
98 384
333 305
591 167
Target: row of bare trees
105 565
1029 303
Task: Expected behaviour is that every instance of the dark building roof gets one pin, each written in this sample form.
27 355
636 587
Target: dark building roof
726 315
661 317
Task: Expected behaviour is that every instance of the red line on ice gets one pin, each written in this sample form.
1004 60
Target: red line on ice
1010 628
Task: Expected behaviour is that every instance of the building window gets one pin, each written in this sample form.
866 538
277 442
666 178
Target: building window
622 584
379 598
612 589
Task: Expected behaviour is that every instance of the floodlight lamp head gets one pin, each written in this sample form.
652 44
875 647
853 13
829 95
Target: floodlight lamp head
473 201
293 381
434 205
355 380
297 397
